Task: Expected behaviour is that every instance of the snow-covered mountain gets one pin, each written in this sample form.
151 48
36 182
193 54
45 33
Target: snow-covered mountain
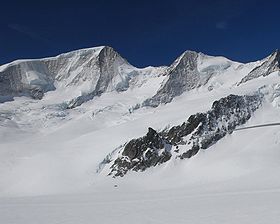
86 73
89 122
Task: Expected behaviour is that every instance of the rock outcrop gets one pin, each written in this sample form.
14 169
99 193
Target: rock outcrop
140 154
200 131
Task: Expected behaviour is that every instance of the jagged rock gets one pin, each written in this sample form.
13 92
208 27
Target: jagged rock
139 154
176 133
202 130
225 115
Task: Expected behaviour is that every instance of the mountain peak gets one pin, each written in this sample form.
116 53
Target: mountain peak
276 51
110 53
269 65
276 55
185 58
189 52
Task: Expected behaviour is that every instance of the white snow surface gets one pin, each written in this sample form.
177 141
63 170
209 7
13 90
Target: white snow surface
49 156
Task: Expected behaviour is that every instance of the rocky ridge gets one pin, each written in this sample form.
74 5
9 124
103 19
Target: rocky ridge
199 132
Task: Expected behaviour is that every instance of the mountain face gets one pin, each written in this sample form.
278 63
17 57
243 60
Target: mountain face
90 71
183 76
112 73
90 109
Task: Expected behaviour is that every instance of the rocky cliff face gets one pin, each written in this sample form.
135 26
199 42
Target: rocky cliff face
269 65
183 76
200 131
139 154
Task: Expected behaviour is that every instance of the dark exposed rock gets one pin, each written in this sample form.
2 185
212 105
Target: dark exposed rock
139 154
200 131
225 115
190 153
176 133
37 93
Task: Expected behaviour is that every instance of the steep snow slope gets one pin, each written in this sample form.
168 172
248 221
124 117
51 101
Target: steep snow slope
48 147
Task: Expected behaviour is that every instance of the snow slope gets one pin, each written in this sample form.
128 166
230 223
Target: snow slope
50 156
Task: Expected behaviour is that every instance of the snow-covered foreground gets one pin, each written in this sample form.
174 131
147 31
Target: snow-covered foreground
149 207
236 181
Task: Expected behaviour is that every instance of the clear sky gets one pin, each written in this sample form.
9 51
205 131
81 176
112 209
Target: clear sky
145 32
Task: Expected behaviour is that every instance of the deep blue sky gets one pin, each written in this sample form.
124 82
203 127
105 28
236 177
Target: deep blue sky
145 32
